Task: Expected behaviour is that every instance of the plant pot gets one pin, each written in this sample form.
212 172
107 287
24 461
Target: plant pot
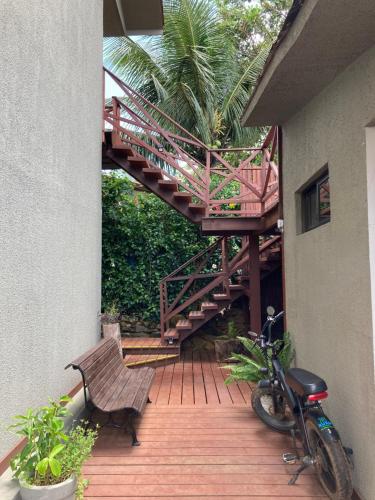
61 491
225 348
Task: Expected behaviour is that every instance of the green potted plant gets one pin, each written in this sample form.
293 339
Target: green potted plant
49 466
247 367
227 344
111 315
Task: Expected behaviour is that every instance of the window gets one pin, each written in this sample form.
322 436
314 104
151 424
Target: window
315 203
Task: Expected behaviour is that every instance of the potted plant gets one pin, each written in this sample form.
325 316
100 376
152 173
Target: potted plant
49 466
111 315
227 344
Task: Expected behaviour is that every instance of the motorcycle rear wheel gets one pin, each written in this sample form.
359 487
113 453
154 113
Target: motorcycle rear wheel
331 463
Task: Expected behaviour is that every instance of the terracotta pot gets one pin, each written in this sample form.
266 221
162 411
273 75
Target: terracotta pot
61 491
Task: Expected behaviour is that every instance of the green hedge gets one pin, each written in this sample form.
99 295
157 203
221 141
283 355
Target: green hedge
143 240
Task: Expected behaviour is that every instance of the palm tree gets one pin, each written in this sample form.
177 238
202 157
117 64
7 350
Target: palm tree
191 72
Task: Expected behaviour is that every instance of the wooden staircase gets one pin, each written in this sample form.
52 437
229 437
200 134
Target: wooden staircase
208 310
229 281
142 140
194 179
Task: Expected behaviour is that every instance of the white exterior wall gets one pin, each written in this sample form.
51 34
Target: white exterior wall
50 197
328 285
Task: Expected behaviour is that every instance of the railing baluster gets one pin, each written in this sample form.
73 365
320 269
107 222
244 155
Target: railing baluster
224 264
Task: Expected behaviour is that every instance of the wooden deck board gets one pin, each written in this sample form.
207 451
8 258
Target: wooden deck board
199 440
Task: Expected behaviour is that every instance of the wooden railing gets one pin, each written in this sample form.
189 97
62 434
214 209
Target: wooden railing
227 182
212 270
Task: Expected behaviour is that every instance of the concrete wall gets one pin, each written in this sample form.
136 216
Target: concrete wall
328 286
50 196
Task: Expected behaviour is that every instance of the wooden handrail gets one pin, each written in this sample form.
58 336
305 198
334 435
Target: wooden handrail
186 160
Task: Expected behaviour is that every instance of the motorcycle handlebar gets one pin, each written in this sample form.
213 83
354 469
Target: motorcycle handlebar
271 320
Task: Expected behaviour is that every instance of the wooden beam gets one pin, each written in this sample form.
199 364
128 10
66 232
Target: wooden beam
230 226
254 284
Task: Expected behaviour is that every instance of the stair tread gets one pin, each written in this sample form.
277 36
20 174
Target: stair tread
171 333
167 184
181 195
236 287
197 207
184 324
134 160
139 360
196 315
209 305
154 172
221 296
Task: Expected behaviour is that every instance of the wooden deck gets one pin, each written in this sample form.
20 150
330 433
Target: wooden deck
200 440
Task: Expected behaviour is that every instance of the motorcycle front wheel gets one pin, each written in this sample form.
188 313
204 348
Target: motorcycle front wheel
271 407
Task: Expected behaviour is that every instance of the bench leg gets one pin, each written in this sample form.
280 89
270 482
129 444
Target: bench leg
135 441
149 400
131 429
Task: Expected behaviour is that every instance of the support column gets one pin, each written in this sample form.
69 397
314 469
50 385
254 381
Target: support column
254 284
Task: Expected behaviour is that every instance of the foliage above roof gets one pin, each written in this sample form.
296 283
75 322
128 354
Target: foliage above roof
195 71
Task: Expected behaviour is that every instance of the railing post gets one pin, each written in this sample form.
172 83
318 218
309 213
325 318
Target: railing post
224 264
116 141
162 311
254 284
103 109
208 181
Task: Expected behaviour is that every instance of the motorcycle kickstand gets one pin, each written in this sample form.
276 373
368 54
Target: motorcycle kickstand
306 462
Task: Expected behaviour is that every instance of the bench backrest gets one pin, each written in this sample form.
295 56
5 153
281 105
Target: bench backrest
100 366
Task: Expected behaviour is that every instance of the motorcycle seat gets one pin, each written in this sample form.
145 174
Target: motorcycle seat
304 383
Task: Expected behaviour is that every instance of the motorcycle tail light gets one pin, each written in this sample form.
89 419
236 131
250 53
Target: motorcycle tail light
318 396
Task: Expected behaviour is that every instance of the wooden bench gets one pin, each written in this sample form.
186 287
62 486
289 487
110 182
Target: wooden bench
112 387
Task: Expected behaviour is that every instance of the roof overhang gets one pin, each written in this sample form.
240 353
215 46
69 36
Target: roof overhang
132 17
317 43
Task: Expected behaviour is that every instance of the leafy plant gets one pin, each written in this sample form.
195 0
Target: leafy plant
144 239
248 367
232 332
190 73
50 456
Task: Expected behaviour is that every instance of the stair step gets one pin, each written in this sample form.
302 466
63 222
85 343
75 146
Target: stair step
123 151
135 361
197 315
182 196
168 185
220 296
154 173
209 306
184 324
171 334
197 208
151 349
137 162
236 287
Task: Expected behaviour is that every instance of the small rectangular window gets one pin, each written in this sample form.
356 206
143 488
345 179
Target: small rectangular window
315 203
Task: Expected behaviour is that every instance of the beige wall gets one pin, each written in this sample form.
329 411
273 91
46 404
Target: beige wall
328 287
50 196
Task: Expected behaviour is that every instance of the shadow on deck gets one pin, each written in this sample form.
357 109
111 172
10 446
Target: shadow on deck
200 439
